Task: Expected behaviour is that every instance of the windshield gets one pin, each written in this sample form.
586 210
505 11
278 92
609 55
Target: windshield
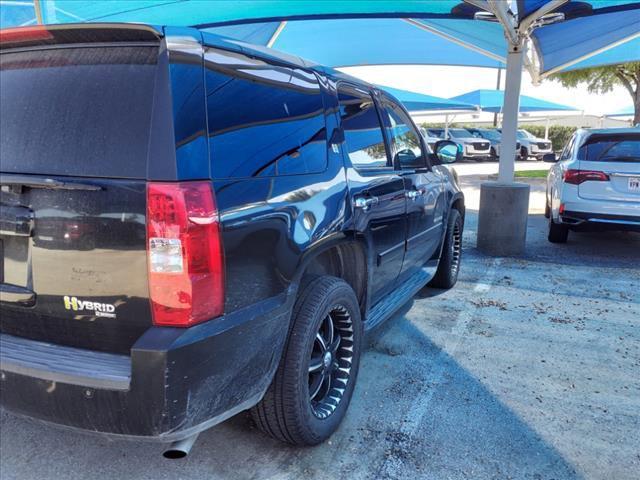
459 133
490 134
619 148
523 135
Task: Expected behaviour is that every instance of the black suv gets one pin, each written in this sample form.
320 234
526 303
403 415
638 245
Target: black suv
192 227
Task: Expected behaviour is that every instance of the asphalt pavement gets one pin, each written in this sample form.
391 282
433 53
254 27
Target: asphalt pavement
527 369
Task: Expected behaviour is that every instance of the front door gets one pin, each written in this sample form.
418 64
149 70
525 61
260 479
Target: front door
376 188
424 190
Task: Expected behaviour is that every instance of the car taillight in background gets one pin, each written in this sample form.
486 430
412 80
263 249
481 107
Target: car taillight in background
184 248
576 177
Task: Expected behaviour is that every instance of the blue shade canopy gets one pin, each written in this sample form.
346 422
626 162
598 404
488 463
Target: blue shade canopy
414 101
17 13
594 32
561 46
627 111
323 41
492 101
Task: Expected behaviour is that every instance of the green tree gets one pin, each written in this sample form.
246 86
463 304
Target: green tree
603 79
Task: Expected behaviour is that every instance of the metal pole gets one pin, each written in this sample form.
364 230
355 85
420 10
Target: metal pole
495 115
37 7
446 127
515 59
546 130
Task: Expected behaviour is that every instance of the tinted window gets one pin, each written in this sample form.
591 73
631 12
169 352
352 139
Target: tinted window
566 153
489 134
77 111
264 120
405 141
362 131
617 148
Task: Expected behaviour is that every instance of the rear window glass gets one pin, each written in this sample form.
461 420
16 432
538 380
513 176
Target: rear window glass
611 149
77 111
264 120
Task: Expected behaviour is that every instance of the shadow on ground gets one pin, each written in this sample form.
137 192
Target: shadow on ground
526 370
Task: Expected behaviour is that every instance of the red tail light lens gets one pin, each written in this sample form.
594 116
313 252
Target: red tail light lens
576 177
186 264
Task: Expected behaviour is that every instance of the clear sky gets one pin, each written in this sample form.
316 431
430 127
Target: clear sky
451 81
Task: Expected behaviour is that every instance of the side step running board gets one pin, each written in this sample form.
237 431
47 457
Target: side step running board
396 299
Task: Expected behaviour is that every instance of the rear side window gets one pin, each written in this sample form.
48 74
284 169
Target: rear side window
264 120
361 125
77 111
616 148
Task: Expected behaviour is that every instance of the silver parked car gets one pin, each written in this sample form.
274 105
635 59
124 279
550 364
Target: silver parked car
495 137
532 146
471 147
595 183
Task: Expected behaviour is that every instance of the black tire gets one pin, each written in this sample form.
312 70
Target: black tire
524 155
547 210
558 233
288 411
449 266
493 154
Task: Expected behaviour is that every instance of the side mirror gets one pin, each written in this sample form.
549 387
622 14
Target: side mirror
549 158
447 152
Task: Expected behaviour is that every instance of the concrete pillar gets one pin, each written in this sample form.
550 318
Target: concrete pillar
502 220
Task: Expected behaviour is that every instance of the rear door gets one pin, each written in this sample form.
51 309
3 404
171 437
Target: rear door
618 156
376 187
73 155
423 189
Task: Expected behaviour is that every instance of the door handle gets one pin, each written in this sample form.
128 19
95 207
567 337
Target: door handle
413 194
364 203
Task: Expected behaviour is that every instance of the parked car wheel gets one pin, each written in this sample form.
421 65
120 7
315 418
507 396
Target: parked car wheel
524 154
449 266
494 154
547 210
313 385
558 233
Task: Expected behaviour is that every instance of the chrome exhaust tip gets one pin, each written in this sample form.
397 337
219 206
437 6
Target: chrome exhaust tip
180 449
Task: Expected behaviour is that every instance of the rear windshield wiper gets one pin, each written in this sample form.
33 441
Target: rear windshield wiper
48 183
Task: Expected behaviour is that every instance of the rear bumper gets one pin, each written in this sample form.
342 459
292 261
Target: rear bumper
600 221
177 382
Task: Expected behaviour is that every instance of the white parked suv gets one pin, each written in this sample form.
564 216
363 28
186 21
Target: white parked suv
595 184
472 148
532 146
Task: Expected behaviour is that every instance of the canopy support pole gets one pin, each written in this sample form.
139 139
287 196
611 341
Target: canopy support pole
515 59
546 129
37 7
504 205
446 127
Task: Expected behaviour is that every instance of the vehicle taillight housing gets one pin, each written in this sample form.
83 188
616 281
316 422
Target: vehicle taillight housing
184 250
576 177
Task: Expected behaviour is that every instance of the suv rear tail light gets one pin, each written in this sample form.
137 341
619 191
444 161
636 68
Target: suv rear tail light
576 177
186 264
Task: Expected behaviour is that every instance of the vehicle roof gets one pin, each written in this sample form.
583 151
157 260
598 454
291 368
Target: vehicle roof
266 53
611 131
27 37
